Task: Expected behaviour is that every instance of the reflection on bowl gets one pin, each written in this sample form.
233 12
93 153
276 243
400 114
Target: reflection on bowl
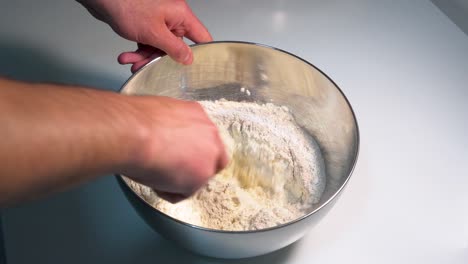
220 70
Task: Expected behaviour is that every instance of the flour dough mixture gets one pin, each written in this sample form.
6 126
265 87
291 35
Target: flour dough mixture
275 175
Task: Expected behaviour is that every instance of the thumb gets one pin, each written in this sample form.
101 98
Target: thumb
172 45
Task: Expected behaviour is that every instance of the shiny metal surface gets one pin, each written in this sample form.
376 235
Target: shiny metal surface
219 70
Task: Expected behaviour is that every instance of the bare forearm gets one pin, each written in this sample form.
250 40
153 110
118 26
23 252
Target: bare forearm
53 137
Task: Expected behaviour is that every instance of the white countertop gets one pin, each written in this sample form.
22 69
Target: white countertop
402 64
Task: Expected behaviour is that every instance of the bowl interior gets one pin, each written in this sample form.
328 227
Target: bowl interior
221 69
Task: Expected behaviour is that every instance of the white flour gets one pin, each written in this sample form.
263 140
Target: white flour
275 174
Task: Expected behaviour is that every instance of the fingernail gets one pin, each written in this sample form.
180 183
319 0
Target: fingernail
187 59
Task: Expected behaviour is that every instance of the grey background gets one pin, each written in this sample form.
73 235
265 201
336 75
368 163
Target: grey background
456 10
402 64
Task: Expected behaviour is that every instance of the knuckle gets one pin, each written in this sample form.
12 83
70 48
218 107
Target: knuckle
179 50
216 135
206 170
195 105
179 6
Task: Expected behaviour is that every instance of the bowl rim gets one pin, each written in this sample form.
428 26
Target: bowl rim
329 200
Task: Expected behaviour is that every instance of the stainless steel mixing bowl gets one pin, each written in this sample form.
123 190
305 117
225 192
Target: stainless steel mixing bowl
220 70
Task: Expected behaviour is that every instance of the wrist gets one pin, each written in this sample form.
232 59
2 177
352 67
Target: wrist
134 135
100 9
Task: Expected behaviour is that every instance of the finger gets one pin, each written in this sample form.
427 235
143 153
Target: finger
223 159
137 65
171 197
196 31
148 51
143 52
130 57
172 45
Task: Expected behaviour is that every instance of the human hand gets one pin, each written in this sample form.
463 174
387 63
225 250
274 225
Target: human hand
158 27
181 148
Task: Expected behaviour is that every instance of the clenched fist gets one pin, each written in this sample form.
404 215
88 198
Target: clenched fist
180 147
